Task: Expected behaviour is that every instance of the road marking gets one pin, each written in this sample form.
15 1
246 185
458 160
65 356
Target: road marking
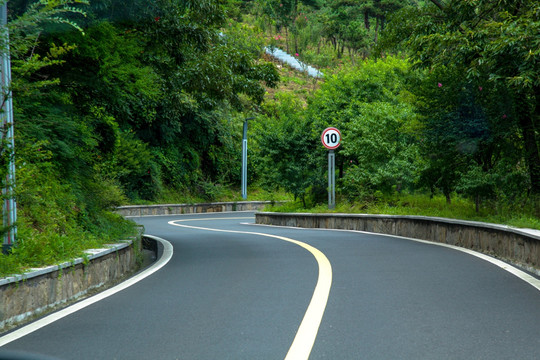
531 280
309 327
30 328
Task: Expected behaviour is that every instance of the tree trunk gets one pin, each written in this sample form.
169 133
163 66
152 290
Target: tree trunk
447 196
376 29
366 19
286 40
530 141
295 32
438 4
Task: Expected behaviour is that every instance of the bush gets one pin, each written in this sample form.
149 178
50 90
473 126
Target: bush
374 111
58 219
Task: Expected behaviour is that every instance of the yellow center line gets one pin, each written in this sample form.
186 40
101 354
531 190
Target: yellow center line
307 331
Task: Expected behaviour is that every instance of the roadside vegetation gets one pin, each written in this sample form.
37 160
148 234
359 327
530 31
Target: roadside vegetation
138 102
428 102
424 205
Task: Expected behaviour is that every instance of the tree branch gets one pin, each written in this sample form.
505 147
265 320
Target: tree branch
439 4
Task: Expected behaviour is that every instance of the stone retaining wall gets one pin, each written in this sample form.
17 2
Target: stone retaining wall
35 292
177 209
519 246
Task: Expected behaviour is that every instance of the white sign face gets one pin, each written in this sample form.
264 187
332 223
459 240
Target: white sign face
331 138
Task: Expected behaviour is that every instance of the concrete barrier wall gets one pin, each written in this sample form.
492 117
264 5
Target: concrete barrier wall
177 209
35 292
519 246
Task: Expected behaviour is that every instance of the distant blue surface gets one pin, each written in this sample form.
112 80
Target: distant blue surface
293 62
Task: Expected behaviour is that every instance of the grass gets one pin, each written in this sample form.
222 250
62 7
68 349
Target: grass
35 249
460 208
292 81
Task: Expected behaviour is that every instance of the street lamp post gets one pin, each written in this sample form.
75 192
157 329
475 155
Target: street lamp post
244 159
9 208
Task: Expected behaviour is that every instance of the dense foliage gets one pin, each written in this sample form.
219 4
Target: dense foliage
454 111
485 55
114 101
123 101
373 109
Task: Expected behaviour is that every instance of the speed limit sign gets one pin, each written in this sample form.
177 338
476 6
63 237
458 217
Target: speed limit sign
331 138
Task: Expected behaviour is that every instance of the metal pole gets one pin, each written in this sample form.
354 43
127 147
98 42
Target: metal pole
10 207
331 180
244 159
244 162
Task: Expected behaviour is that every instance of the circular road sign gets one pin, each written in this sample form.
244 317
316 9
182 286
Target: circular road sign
331 138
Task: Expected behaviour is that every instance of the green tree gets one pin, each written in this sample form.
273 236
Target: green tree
349 24
343 25
286 15
287 148
493 43
170 73
456 131
63 206
208 72
375 112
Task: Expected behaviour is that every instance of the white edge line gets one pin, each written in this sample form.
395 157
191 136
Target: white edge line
531 280
30 328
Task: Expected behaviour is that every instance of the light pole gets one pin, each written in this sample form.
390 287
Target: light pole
10 207
244 159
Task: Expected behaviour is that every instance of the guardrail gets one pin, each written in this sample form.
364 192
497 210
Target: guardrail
518 246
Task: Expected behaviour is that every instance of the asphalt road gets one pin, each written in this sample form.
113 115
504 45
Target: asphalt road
232 294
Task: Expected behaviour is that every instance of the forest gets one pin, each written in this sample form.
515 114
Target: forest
135 102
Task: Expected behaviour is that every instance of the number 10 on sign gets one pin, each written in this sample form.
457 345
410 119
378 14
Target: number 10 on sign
331 139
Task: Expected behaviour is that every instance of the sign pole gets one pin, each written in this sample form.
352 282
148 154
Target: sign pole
244 163
331 139
244 159
331 180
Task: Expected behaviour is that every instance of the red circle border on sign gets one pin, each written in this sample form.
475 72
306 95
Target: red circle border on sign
322 138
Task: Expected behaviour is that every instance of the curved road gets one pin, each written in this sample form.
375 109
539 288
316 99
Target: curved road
235 290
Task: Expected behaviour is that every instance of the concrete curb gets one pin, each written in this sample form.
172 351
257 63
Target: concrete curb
518 246
35 292
92 254
178 209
